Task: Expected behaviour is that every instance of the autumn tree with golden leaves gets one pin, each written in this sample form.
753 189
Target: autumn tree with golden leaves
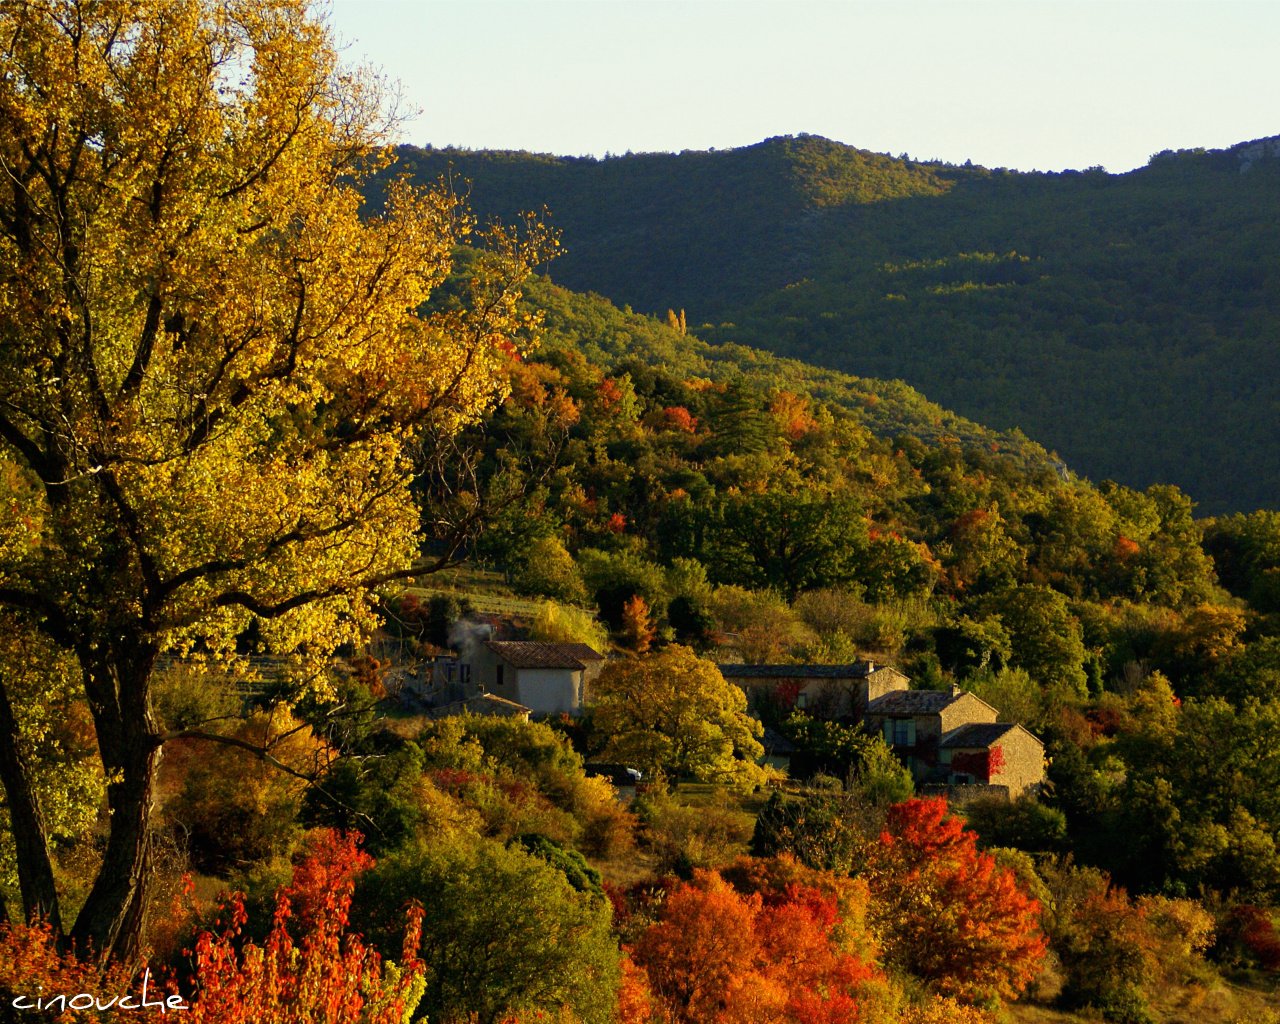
672 714
214 371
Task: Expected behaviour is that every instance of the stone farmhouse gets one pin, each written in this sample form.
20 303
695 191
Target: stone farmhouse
999 753
947 738
838 692
952 737
546 678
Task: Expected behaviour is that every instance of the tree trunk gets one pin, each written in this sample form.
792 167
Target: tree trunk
30 839
111 921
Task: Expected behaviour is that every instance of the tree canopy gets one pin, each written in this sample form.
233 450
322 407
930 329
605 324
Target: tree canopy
673 713
212 367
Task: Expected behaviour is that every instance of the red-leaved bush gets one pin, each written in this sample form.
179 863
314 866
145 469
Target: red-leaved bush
309 969
1252 927
946 912
718 956
32 968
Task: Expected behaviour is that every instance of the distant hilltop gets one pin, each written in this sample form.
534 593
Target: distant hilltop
1128 321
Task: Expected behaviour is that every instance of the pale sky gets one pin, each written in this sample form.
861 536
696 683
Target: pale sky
1026 84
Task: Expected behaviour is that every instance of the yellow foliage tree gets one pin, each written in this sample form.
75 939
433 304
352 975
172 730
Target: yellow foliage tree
565 624
45 735
213 370
673 713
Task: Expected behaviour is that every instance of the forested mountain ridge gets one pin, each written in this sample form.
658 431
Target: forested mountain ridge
1127 321
622 341
703 230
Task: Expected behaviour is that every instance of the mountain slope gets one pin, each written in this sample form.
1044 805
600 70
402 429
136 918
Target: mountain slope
618 341
698 229
1130 322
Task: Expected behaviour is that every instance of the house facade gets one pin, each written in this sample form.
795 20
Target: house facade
951 738
547 678
837 692
996 754
914 722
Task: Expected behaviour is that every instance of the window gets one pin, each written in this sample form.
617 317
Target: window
904 733
802 700
500 673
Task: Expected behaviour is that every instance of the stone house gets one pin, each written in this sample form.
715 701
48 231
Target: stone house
951 737
547 678
997 754
913 722
838 692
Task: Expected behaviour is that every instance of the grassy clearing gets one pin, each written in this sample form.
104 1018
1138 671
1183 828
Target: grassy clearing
706 794
1029 1013
1219 1002
695 825
486 590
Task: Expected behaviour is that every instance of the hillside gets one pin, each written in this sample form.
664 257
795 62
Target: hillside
618 341
704 230
1127 321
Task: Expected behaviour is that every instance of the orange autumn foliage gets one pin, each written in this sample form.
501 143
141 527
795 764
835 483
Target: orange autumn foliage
1125 548
32 967
638 631
792 414
718 956
309 969
775 877
678 418
609 393
947 913
635 1000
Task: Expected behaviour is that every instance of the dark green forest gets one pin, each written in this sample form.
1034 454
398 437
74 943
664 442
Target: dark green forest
1128 322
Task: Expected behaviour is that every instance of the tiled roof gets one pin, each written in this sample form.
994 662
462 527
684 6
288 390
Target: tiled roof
533 654
855 671
978 735
482 704
912 702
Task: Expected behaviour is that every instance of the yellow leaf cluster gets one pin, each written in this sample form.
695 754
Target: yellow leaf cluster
214 365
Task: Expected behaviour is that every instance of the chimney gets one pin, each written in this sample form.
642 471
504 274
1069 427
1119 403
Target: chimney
465 636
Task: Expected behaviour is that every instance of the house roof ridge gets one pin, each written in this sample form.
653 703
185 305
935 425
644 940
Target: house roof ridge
982 734
907 701
544 653
477 703
776 670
